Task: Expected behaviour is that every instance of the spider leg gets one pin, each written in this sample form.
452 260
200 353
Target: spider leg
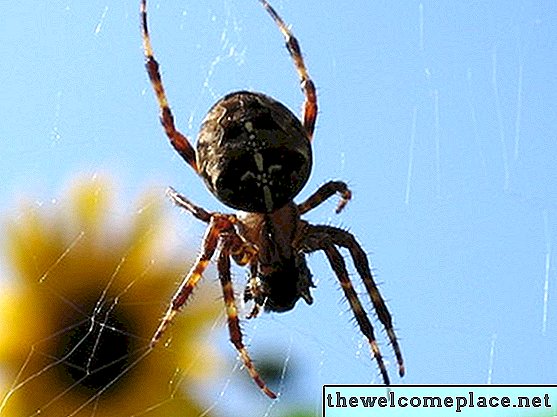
223 266
181 201
308 87
346 240
177 139
323 193
218 224
251 289
337 263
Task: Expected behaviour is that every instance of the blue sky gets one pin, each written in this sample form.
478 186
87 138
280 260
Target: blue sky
439 115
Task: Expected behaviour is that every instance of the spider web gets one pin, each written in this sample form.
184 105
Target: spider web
437 115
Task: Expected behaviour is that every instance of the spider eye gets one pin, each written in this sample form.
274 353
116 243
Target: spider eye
253 152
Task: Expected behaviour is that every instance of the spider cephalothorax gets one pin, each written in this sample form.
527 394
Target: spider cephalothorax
255 156
281 276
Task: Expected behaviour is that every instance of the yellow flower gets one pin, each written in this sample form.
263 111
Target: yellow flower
87 290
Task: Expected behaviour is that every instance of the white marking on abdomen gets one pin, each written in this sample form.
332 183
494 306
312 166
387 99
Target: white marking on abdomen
258 161
268 197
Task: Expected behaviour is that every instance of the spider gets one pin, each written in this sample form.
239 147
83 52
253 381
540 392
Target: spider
255 155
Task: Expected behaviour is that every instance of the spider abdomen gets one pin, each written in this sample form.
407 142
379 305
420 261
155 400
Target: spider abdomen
253 153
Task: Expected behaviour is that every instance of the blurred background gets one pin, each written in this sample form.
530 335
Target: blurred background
439 115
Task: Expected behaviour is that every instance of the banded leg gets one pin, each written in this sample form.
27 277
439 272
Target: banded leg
218 224
309 114
223 266
181 201
325 192
344 239
251 290
337 263
177 139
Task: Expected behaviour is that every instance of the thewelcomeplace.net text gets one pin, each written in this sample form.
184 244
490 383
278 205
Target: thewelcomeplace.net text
458 403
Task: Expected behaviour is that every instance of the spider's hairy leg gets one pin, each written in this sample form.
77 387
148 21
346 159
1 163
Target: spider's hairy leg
308 87
219 223
181 201
337 263
250 289
223 266
177 139
323 193
345 239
